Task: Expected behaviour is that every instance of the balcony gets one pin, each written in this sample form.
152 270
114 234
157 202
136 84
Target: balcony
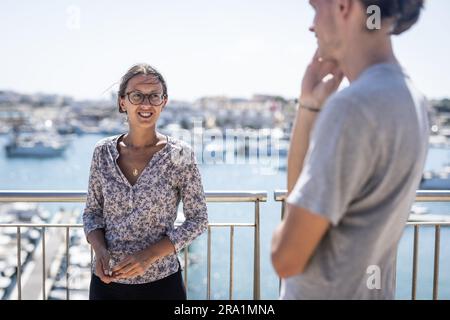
56 241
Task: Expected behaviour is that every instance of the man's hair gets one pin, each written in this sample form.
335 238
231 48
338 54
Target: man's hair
404 12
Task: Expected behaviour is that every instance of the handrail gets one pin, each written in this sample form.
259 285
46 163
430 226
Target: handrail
421 196
8 196
80 196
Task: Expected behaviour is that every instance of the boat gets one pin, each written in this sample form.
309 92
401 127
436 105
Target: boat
215 150
432 180
36 146
23 211
418 210
112 127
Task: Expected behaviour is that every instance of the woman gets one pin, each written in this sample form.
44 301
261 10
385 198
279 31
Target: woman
137 180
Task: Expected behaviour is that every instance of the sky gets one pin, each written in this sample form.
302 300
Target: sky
202 47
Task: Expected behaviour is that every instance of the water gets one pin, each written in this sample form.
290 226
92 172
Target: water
71 173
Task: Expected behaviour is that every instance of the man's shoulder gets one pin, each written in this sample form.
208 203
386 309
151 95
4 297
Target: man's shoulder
345 104
344 113
355 95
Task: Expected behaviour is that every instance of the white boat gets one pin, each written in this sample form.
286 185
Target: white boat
35 146
283 148
4 282
25 211
435 184
436 180
112 127
213 148
10 270
439 141
416 209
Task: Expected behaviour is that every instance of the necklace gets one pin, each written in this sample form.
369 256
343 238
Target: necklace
135 171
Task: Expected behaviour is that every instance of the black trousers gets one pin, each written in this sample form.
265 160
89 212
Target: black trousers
169 288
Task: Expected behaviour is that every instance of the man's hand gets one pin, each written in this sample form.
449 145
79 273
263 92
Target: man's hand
134 265
316 86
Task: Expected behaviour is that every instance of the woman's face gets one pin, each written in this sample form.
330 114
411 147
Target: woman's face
143 112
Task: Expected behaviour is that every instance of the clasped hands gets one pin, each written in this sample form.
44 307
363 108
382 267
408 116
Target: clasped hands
131 266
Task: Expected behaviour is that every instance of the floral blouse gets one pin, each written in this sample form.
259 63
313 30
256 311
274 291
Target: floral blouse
135 217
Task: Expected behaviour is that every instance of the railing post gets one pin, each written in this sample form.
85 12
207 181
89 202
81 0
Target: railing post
283 208
208 280
231 261
67 263
19 264
256 263
186 261
415 265
437 245
44 274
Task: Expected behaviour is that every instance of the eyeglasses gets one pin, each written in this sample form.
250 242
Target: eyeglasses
155 99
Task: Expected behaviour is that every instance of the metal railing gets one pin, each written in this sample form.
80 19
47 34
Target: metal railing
421 196
219 197
80 196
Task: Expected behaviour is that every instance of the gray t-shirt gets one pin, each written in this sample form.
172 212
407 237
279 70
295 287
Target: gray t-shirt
365 161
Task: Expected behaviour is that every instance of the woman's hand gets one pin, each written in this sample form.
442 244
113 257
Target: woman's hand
102 269
316 86
134 265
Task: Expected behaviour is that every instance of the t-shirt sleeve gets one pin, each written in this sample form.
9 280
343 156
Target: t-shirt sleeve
338 163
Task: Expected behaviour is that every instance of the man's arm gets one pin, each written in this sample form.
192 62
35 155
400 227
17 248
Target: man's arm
300 232
296 239
299 144
316 88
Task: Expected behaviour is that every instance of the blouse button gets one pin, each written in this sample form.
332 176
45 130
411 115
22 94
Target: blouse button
131 199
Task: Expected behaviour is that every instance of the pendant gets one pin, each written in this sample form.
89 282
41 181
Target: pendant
135 172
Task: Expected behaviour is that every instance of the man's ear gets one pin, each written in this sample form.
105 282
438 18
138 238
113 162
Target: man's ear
344 7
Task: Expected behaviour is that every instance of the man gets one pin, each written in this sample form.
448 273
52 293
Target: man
356 157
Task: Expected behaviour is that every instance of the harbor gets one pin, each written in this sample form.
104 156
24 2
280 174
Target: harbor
49 151
70 172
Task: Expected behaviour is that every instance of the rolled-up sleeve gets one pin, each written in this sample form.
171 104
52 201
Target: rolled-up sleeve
93 212
194 205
